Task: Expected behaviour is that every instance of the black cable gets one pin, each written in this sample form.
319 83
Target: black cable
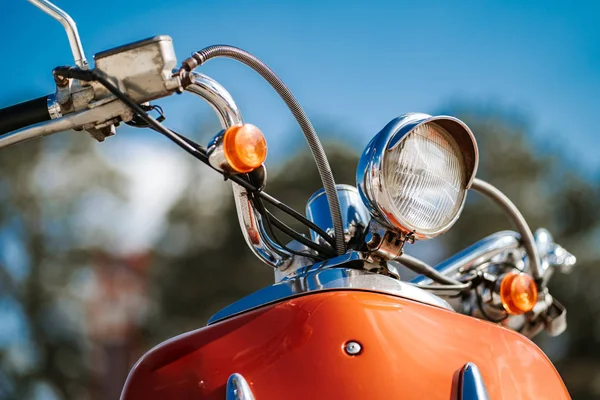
136 122
295 214
269 227
271 233
271 220
197 151
258 204
425 269
295 235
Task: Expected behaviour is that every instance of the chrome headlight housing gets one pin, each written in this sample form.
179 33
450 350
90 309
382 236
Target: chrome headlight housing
414 174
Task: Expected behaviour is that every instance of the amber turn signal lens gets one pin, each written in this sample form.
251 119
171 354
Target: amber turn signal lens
245 147
518 293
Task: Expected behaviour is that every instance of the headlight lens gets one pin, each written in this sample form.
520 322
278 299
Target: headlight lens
414 175
425 178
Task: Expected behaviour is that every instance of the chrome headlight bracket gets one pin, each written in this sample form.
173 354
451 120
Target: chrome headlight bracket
370 175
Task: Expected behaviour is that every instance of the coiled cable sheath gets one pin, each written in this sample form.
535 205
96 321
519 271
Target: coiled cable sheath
314 143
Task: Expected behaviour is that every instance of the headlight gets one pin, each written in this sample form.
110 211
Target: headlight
414 175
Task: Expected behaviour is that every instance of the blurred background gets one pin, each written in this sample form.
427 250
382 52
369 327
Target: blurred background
108 249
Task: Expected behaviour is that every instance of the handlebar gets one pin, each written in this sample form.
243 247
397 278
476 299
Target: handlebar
473 255
28 113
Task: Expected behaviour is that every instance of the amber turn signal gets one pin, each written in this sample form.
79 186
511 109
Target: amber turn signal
244 147
518 293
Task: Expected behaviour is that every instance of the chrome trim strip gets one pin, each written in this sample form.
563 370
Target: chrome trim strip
238 388
217 97
328 279
471 384
475 254
70 27
249 218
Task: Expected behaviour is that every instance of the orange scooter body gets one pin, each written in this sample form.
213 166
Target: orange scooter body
294 349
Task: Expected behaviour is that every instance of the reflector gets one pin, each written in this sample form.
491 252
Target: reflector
244 147
518 293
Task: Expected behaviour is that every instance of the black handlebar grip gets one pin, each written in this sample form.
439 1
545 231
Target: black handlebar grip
24 114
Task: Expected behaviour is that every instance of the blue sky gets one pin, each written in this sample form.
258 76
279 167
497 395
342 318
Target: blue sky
355 64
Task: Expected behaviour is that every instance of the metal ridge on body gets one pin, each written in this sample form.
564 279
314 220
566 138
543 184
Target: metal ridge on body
471 386
329 279
238 388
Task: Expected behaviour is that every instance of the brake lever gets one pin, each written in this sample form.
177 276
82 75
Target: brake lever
101 115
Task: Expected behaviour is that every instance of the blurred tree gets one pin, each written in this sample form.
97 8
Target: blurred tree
45 186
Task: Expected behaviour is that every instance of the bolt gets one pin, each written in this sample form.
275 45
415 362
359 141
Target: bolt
61 81
374 242
352 348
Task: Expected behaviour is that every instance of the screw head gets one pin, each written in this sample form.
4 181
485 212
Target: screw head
352 348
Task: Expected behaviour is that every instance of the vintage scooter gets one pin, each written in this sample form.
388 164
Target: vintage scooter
338 323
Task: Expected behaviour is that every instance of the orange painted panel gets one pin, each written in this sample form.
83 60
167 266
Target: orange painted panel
294 350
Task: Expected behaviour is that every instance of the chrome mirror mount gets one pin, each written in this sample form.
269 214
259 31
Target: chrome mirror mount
70 27
355 216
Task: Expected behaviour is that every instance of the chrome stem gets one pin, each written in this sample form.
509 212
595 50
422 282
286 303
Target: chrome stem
218 98
70 27
250 219
517 218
